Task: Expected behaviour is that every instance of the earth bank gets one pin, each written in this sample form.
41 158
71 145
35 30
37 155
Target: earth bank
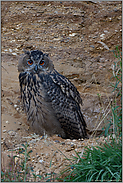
79 38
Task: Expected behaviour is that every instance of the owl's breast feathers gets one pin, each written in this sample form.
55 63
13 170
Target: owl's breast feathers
66 86
60 95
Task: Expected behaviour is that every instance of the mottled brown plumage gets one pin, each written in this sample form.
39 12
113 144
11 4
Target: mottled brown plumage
51 101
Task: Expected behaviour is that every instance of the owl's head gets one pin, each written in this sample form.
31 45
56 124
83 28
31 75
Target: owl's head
34 62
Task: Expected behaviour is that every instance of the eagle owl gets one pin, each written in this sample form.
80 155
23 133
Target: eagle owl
51 101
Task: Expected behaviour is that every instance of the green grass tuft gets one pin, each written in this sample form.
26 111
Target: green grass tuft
101 163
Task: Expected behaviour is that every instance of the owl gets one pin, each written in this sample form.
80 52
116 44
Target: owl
51 102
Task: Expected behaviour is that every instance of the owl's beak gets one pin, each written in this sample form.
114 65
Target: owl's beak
36 68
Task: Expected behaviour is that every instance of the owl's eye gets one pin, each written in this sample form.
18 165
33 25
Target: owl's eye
41 62
29 62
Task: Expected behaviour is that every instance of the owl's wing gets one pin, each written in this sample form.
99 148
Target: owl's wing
66 86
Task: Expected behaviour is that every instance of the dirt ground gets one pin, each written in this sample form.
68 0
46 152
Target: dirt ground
79 38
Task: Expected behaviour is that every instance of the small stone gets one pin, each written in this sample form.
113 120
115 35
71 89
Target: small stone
102 36
92 46
72 146
46 155
7 122
79 146
76 150
110 19
15 106
94 37
74 140
10 102
14 53
17 159
57 141
4 131
105 31
37 172
115 9
12 133
42 154
73 34
18 101
68 140
20 123
41 161
37 156
62 143
68 149
10 50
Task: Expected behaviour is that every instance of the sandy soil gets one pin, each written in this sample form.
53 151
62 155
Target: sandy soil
79 37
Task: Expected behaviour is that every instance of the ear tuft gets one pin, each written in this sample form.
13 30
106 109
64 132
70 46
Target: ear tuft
26 52
46 54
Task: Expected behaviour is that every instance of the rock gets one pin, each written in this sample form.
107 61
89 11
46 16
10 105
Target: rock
42 154
41 161
73 34
62 143
10 50
105 46
102 60
12 133
102 36
14 53
57 141
4 131
105 31
92 46
20 123
72 146
69 148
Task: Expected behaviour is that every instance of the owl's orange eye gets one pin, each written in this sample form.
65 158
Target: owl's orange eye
30 62
41 62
